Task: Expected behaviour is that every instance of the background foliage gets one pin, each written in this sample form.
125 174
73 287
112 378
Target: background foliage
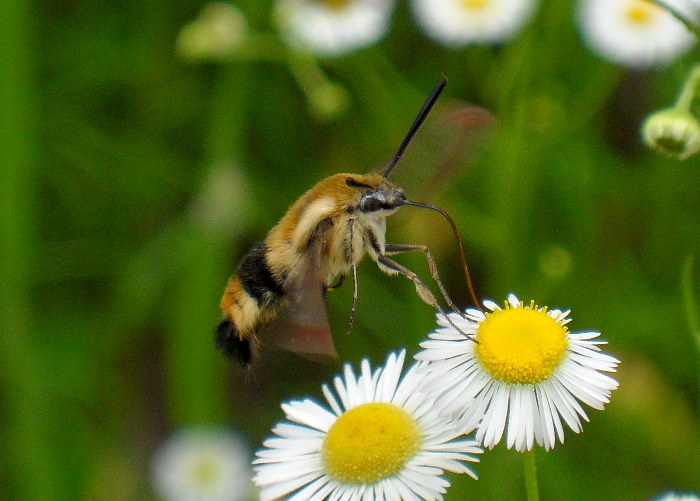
133 182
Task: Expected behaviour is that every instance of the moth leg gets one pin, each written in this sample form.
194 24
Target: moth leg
351 322
423 291
340 282
393 249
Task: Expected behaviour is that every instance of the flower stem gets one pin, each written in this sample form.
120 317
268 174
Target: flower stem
692 27
690 305
306 71
530 476
689 90
29 433
260 47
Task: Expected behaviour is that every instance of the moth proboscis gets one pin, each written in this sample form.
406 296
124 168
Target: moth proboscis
277 295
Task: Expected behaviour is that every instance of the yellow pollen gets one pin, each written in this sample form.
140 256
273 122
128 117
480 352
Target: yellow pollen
520 345
370 442
641 12
204 471
335 4
474 4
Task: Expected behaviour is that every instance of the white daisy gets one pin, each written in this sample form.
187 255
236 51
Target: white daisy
381 439
525 368
677 496
636 33
333 27
456 23
203 464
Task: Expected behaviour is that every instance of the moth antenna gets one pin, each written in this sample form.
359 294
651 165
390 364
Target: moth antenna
467 276
420 118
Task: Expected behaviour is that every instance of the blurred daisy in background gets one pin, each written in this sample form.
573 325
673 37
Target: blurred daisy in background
456 23
333 27
381 439
637 33
525 371
677 496
203 464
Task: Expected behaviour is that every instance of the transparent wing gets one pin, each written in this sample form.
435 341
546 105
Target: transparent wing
302 327
452 138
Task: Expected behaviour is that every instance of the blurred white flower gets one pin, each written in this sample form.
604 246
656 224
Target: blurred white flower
677 496
382 439
636 33
203 464
525 373
456 23
333 27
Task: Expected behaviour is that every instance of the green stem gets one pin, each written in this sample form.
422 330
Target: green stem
260 47
690 305
196 394
692 27
224 141
689 90
530 476
514 197
306 71
28 418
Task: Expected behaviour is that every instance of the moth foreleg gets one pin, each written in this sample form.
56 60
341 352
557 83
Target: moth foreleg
392 249
423 291
351 322
338 284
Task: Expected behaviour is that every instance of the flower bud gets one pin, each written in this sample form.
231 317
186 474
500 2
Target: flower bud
216 34
675 132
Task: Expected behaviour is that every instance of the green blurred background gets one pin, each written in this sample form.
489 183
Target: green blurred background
132 182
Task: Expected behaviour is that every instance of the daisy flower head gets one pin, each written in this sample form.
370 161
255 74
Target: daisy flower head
677 496
456 23
203 464
380 438
525 371
637 33
332 28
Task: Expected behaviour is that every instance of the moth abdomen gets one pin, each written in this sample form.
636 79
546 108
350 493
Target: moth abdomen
258 281
231 344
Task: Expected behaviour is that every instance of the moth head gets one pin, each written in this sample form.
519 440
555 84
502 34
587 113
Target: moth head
376 193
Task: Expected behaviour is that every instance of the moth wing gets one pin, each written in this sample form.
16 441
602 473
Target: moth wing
302 327
453 137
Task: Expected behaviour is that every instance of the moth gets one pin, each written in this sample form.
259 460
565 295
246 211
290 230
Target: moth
277 295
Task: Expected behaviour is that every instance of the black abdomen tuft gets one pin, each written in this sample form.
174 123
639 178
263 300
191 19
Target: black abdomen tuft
232 346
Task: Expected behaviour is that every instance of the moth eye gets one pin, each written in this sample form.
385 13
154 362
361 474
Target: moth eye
356 184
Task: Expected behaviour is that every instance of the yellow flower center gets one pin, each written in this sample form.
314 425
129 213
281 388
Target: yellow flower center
370 442
474 4
204 471
520 345
335 4
641 12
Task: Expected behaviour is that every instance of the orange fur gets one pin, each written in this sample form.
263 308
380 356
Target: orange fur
319 221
